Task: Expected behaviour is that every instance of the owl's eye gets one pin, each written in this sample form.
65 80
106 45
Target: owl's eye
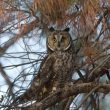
54 39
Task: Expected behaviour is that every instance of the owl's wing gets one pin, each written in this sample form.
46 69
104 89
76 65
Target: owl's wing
38 82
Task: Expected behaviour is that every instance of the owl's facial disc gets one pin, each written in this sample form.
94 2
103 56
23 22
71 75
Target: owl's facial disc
63 41
59 40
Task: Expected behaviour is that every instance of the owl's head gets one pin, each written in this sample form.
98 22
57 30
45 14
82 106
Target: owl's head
58 40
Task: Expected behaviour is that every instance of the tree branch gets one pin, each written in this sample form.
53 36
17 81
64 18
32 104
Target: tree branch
96 25
26 29
7 80
70 90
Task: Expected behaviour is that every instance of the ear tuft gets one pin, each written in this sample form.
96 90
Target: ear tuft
67 29
51 29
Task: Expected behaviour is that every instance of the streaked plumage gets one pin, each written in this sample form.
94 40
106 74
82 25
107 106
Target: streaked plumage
55 70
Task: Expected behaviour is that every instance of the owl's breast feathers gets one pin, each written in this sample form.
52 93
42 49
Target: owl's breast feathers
62 68
55 69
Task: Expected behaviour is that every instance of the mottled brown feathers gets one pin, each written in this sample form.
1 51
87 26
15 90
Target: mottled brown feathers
55 70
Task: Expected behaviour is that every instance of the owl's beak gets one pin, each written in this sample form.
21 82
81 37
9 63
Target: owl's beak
58 44
59 38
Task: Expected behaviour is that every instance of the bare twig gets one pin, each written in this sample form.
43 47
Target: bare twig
85 98
26 29
5 76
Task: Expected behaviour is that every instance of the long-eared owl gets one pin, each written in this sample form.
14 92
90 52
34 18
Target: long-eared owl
60 48
55 70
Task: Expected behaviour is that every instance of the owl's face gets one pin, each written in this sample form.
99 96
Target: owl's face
59 40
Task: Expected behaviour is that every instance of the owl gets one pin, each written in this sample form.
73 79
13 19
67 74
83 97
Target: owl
55 70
